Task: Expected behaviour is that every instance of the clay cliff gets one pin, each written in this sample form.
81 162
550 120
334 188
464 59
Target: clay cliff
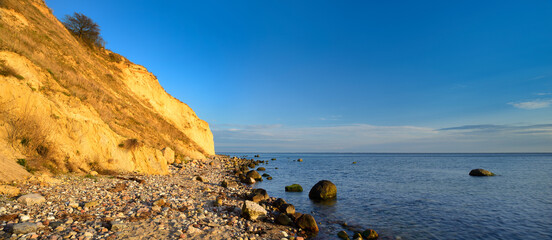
69 107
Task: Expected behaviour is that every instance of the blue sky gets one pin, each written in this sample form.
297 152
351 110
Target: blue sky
347 76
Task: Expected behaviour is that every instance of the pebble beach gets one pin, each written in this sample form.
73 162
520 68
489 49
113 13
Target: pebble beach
189 203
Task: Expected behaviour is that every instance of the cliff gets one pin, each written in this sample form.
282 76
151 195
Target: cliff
68 107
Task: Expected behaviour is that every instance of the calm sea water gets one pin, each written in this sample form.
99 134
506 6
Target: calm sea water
421 196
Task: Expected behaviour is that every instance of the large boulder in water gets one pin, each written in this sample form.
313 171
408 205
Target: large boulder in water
481 173
323 190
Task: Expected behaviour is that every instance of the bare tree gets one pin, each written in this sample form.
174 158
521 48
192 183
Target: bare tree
84 28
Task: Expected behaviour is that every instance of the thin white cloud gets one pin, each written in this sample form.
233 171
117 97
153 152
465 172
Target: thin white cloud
544 94
371 138
535 104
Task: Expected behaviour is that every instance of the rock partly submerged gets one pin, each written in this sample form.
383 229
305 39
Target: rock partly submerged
323 190
479 172
294 188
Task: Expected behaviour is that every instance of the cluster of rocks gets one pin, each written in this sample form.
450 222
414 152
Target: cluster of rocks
197 200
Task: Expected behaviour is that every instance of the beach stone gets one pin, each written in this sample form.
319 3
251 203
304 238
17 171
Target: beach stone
24 218
307 222
269 178
117 226
200 178
357 236
252 210
279 202
251 165
287 209
248 180
343 235
299 160
229 184
254 174
31 199
370 234
24 228
9 191
481 173
93 173
218 201
91 204
261 169
258 195
283 219
294 188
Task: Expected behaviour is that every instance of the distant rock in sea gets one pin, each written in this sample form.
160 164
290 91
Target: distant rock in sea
481 173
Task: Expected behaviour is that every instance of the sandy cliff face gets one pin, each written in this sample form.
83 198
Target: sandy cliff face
67 107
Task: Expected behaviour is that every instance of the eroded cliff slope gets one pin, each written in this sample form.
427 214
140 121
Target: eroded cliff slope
65 106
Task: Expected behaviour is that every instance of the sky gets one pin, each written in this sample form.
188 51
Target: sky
346 76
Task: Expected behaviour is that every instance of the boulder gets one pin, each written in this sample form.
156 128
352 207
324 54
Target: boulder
481 173
294 188
323 190
252 210
261 169
357 236
93 173
273 159
287 209
24 228
9 191
258 195
370 234
31 199
279 202
251 165
266 175
269 178
248 180
307 222
299 160
283 219
168 153
255 175
343 235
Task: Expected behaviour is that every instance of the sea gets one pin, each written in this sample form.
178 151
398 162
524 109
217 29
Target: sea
419 196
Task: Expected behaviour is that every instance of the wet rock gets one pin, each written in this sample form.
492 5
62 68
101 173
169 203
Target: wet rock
343 235
323 190
273 159
307 222
283 219
287 209
255 175
261 169
24 228
299 160
31 199
370 234
252 210
9 191
357 236
481 173
294 188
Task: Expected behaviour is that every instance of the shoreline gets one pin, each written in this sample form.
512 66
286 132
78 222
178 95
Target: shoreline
177 205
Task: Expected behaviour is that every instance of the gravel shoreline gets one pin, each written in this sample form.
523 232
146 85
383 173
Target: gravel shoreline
177 205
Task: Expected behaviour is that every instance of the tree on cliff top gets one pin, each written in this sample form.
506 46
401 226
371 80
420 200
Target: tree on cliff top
84 28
